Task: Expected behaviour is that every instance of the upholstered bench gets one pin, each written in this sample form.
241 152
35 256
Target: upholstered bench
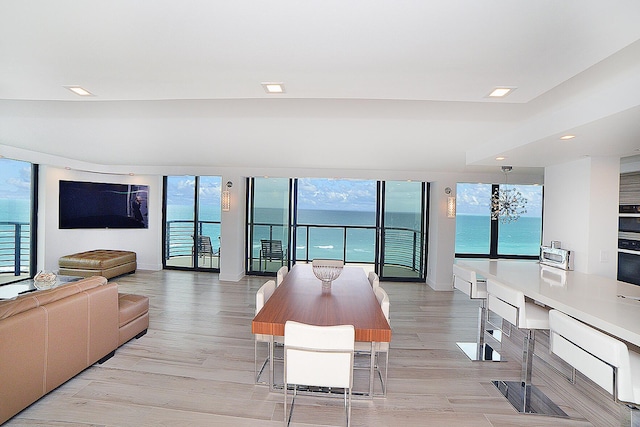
133 319
102 262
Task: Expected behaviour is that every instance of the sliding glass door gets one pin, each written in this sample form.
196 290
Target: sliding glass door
402 251
192 222
18 184
268 224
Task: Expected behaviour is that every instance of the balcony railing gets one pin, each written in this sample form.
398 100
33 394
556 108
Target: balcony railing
15 247
180 237
352 244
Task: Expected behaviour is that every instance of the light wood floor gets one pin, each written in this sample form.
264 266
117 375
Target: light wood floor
195 368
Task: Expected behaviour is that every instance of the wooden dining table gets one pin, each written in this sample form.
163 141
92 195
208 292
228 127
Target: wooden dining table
300 297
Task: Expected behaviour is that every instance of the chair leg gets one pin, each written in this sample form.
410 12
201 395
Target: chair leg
258 373
287 416
347 403
527 356
635 417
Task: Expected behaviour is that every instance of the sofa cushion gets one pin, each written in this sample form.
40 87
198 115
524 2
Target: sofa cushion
131 306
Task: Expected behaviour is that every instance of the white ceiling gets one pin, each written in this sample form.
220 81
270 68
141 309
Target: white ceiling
394 85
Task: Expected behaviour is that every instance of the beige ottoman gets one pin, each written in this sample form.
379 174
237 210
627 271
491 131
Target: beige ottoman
133 319
102 262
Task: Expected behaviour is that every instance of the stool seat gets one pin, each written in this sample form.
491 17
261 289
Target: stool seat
537 317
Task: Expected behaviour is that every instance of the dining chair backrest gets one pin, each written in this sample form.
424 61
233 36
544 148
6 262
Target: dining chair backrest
327 262
506 302
383 300
264 293
600 357
320 356
374 280
466 280
281 274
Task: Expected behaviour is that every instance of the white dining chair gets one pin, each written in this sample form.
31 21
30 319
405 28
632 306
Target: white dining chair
281 274
466 281
374 280
605 360
262 295
318 356
511 305
362 347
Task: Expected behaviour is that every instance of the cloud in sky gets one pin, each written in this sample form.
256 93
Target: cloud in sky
475 199
15 179
337 194
180 190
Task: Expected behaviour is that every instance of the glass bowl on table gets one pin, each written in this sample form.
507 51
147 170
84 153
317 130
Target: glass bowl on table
45 280
327 270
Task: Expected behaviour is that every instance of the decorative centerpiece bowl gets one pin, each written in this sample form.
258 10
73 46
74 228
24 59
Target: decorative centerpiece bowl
327 270
44 280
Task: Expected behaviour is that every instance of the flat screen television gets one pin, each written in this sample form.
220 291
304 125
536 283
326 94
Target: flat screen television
103 205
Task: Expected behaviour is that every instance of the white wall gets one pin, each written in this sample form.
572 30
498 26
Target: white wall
54 242
233 231
581 210
442 236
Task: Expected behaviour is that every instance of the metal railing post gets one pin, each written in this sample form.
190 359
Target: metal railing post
17 232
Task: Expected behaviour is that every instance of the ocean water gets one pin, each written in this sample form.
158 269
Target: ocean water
521 237
321 233
15 210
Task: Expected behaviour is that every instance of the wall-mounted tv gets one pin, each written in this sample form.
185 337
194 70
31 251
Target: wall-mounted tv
103 205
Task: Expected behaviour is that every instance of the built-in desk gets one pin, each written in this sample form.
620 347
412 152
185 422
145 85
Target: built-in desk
589 298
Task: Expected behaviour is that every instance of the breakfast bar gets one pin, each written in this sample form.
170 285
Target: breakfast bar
606 304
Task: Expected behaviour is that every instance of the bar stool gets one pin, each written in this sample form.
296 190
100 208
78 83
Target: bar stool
466 281
604 359
510 304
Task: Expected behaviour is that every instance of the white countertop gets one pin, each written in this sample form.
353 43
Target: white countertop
587 297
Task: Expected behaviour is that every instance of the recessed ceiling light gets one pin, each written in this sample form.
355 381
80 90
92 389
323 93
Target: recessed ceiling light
501 92
565 137
79 90
273 87
499 158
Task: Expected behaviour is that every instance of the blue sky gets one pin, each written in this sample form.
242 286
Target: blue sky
15 179
474 199
180 190
336 194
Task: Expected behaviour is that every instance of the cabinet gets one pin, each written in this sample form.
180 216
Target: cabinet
629 228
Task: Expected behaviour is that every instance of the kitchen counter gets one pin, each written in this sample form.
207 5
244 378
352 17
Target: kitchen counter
589 298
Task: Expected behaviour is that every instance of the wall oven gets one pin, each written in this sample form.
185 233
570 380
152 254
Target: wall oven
629 244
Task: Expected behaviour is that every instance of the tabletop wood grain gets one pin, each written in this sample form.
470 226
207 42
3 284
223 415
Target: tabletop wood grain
300 298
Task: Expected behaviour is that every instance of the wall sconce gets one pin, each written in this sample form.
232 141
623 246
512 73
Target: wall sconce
451 204
226 197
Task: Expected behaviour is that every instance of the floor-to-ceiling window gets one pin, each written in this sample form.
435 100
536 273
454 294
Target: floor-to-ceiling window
268 224
480 235
343 219
403 230
192 222
18 183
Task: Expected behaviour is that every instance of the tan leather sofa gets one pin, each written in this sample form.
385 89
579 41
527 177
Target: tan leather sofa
48 337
